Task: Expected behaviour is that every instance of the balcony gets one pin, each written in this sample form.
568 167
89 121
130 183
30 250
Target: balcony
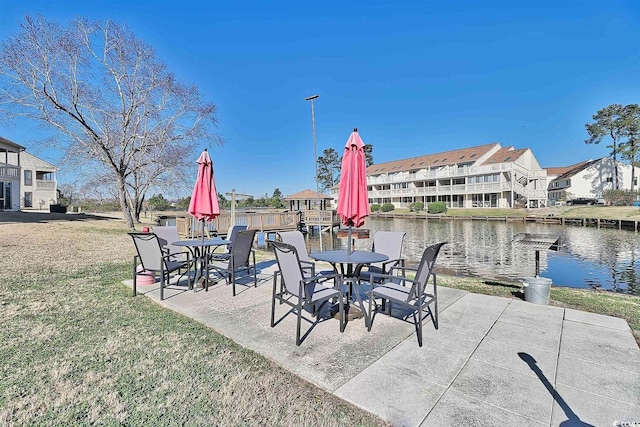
45 185
9 171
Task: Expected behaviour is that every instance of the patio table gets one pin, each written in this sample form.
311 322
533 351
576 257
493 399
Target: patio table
350 264
200 250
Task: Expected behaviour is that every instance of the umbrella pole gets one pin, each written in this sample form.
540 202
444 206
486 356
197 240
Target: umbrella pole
349 239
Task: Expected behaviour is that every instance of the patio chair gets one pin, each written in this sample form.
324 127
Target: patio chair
167 235
153 259
409 293
300 291
241 258
296 239
388 243
232 232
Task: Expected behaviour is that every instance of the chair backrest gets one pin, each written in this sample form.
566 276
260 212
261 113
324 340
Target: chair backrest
167 235
242 247
425 269
289 266
296 239
232 233
388 243
149 250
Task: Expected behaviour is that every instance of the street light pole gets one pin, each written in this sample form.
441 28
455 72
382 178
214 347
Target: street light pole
315 161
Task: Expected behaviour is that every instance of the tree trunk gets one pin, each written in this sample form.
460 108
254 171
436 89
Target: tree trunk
632 143
615 166
122 198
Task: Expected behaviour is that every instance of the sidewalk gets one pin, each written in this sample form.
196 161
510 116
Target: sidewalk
493 361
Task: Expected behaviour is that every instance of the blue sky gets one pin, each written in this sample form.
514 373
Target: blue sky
415 77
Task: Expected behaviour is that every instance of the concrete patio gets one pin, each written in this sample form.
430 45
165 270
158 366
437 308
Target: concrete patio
493 361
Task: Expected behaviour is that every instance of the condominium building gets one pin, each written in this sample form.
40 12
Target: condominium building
590 179
483 176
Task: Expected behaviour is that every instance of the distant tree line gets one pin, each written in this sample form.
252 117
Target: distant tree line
157 202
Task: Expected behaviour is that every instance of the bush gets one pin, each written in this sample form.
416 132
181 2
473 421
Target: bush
416 207
374 208
388 207
620 197
436 207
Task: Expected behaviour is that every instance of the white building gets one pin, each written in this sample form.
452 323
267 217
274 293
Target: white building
588 179
10 154
484 176
26 182
38 186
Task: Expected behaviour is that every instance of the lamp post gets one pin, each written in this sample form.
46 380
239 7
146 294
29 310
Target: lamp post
315 161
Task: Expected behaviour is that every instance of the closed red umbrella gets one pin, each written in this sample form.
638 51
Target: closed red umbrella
204 199
353 199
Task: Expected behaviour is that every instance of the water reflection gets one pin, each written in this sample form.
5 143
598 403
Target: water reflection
588 257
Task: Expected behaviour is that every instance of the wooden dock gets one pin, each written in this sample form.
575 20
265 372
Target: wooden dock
327 220
265 222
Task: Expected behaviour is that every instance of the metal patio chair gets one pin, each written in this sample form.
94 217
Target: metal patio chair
167 235
412 294
232 232
388 243
300 291
296 239
241 258
154 259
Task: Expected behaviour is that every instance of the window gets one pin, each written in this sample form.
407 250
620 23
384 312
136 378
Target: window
635 180
28 199
28 177
609 179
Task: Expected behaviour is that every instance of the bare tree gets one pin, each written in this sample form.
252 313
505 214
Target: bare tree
116 108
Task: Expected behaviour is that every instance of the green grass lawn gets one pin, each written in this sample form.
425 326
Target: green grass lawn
77 349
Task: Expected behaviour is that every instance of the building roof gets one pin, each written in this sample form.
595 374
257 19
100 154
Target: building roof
505 154
560 170
577 168
463 155
308 195
11 144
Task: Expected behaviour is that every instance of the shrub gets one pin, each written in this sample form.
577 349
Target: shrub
620 197
387 207
436 207
416 206
374 208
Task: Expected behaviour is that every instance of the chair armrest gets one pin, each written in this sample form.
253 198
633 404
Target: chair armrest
403 269
311 266
377 279
337 277
397 261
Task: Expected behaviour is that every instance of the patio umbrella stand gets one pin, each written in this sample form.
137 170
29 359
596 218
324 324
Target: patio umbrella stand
353 199
204 199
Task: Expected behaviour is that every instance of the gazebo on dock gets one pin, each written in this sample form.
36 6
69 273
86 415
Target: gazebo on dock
307 200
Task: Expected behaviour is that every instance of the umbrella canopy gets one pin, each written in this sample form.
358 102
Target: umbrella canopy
353 200
204 199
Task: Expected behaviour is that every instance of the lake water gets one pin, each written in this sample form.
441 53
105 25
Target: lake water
587 257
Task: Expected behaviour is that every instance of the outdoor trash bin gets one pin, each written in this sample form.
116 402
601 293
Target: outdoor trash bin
537 289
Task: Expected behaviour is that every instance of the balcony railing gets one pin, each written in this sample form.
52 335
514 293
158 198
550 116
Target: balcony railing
451 172
9 171
43 184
